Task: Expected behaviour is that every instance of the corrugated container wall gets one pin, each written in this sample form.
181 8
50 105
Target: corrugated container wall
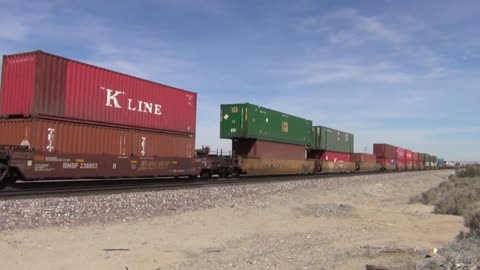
41 84
268 150
64 137
248 121
329 139
383 150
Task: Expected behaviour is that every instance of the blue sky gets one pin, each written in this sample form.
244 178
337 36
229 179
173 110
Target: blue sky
402 72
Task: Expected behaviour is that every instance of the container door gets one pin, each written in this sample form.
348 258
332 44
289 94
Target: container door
232 121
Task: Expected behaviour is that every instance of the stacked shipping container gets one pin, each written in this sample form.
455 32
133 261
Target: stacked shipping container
366 162
58 105
393 157
420 164
266 141
332 149
329 139
414 160
70 137
426 161
41 84
386 155
248 121
268 150
408 159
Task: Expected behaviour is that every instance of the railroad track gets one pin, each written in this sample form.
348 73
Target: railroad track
90 187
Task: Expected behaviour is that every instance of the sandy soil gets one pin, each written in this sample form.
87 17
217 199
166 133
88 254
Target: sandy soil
336 228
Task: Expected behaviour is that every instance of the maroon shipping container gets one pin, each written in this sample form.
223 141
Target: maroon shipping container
41 84
415 156
383 150
362 157
268 150
68 137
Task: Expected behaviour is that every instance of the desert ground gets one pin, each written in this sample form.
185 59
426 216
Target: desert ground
325 225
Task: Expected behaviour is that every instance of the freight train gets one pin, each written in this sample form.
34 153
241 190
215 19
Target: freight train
64 119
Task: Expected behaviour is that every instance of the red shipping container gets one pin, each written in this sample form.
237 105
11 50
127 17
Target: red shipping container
401 165
385 150
420 164
268 150
415 156
69 137
408 155
366 158
330 156
387 163
401 154
41 84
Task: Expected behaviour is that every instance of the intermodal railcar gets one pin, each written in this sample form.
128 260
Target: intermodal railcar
63 119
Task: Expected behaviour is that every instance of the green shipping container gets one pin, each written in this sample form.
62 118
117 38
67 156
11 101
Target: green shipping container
426 159
330 139
254 122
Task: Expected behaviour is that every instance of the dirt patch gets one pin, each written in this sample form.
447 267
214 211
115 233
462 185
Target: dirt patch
327 210
308 225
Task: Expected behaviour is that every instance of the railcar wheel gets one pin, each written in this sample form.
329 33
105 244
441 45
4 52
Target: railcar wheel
4 179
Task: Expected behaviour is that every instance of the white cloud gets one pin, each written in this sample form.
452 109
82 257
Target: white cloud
348 28
328 71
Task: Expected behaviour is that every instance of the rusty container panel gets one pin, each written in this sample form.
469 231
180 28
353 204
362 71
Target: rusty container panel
362 157
69 137
384 150
368 167
335 167
162 145
268 150
258 166
42 84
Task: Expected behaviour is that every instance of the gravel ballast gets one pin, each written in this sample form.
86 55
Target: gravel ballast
130 207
